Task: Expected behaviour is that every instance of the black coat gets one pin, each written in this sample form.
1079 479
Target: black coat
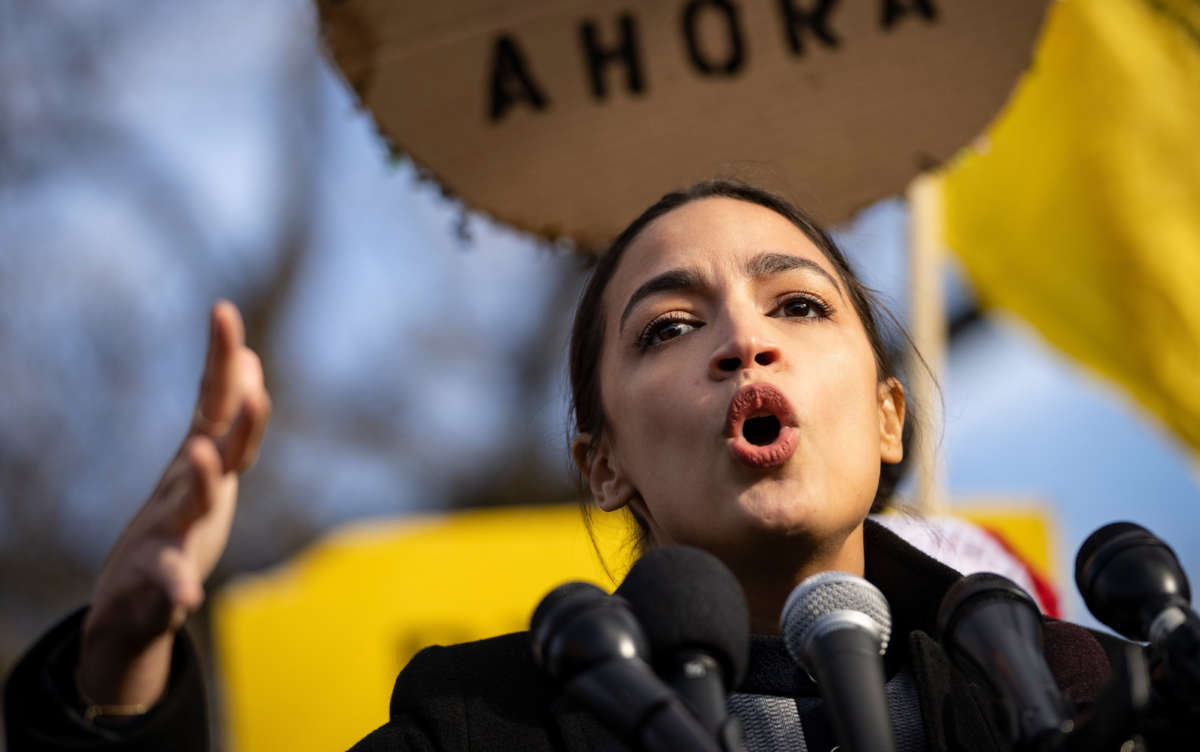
488 695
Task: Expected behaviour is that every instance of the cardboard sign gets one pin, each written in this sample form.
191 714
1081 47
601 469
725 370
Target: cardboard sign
566 118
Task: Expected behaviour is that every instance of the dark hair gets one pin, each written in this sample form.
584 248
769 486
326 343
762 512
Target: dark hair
587 333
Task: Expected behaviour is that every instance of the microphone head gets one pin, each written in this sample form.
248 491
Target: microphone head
828 601
991 628
1127 576
578 625
973 590
687 598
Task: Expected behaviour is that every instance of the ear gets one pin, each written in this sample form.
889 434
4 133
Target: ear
891 420
611 490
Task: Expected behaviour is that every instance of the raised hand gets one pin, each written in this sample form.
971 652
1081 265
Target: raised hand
154 576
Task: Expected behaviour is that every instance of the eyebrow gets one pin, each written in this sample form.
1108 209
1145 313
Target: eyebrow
767 264
676 279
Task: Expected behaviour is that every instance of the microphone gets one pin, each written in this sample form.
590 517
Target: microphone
591 643
992 629
695 616
1132 581
836 626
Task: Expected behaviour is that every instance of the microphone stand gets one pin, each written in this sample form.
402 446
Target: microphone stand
1175 665
1174 668
641 708
690 680
1118 713
1156 696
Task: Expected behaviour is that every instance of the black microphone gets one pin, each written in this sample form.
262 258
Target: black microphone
836 626
694 614
993 630
1132 581
591 643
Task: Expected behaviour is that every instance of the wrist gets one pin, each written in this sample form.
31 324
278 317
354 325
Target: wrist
96 712
111 676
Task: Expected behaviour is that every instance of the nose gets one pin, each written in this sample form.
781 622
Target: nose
745 347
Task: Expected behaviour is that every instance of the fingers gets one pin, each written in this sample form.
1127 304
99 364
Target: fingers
154 575
198 483
219 397
185 528
233 407
178 536
239 447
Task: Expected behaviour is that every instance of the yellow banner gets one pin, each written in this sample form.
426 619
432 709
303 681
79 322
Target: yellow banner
307 654
1080 209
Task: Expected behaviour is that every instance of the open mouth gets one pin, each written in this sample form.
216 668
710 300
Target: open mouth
761 430
760 427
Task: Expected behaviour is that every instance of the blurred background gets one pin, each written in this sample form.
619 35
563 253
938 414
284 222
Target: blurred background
155 156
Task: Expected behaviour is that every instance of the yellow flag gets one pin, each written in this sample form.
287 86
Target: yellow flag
1080 209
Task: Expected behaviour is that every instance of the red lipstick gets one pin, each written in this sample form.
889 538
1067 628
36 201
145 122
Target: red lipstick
760 427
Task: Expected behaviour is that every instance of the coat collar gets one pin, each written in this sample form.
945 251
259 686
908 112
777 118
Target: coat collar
913 583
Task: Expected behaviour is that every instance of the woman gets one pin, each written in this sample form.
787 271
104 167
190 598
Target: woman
731 389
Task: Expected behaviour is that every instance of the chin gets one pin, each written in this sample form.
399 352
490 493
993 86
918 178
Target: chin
792 515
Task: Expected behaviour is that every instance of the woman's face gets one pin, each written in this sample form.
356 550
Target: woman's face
739 386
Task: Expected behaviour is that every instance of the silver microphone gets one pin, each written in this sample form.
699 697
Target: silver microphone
837 626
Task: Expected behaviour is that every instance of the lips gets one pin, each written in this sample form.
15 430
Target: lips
760 427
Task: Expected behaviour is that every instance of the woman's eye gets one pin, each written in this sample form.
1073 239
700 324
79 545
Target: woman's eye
672 330
803 308
664 330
